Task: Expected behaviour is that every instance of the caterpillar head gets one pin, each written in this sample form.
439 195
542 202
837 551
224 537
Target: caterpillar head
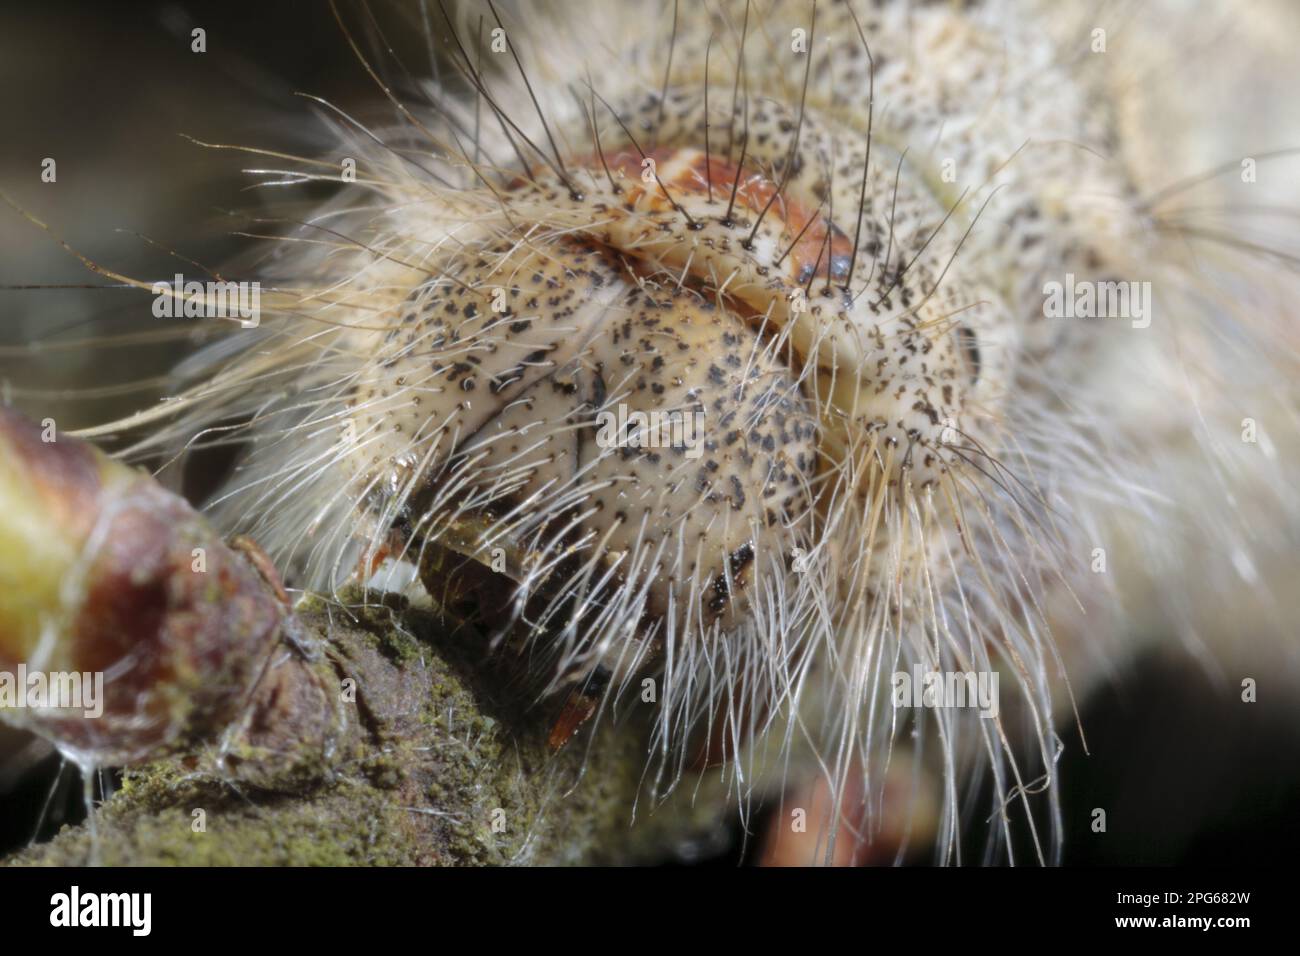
677 399
703 389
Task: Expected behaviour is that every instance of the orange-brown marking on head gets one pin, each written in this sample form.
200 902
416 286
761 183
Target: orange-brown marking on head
821 249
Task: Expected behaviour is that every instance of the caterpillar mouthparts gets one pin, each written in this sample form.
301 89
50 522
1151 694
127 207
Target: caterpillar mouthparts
737 372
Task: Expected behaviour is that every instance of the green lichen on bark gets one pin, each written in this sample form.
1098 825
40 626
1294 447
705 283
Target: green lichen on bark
441 759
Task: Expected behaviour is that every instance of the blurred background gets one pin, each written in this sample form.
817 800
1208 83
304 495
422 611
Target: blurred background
1186 771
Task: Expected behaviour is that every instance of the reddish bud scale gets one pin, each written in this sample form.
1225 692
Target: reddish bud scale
103 570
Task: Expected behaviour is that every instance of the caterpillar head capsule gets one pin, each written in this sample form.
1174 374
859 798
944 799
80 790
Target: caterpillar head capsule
679 402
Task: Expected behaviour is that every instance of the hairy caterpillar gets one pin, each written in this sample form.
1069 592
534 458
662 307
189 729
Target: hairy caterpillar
840 261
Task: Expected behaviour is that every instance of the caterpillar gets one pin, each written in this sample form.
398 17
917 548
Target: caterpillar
802 359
